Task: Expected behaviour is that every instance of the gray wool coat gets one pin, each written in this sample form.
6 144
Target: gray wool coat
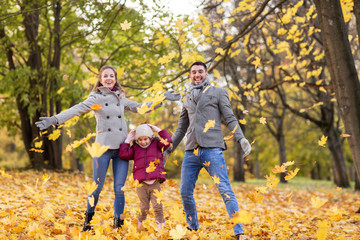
111 127
212 104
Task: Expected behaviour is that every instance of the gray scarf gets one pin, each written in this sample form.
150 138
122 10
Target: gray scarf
196 89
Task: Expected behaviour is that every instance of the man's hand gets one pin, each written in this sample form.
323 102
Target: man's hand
130 136
46 122
166 155
171 96
245 145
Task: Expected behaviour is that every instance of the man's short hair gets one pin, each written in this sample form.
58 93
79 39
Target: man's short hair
200 64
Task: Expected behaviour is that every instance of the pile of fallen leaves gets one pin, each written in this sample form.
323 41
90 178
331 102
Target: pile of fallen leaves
50 205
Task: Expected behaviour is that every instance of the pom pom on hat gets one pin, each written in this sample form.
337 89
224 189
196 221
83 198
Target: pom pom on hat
143 130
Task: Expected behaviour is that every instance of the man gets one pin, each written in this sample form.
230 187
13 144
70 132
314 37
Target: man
205 143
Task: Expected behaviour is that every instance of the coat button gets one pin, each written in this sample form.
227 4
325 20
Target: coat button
120 129
107 117
118 104
119 116
109 129
106 104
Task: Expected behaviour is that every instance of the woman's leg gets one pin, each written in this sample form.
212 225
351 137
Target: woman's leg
120 169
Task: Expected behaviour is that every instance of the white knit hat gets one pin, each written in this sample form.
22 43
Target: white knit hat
143 130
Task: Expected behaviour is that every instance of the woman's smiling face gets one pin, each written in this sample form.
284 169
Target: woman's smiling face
108 78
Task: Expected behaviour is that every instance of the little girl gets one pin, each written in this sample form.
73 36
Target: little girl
147 153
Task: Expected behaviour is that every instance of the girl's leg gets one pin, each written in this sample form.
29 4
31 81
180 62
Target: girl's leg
144 197
100 167
158 207
120 169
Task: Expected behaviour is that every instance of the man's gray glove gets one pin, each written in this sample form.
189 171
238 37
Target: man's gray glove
246 147
46 122
171 96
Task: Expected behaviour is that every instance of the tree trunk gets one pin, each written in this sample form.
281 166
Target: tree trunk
342 70
315 172
282 155
337 158
357 182
357 16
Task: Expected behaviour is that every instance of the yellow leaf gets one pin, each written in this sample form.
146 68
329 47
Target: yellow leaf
206 164
96 150
263 120
179 232
90 187
289 163
196 151
91 200
291 174
55 134
209 124
159 196
164 141
220 51
323 228
206 88
242 216
36 150
4 174
96 107
271 177
255 196
256 62
175 162
60 90
216 179
242 121
125 25
345 135
143 109
279 169
322 141
273 183
316 202
38 144
45 178
151 167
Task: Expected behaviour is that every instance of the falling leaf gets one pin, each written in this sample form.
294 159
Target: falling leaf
322 141
273 183
157 161
316 202
345 135
77 143
36 150
255 196
175 162
242 121
242 216
164 141
227 196
263 120
90 187
159 196
96 150
55 134
91 200
289 163
216 179
209 124
206 88
179 232
38 144
45 178
196 151
206 164
151 167
291 174
233 131
4 174
143 109
125 25
96 107
279 169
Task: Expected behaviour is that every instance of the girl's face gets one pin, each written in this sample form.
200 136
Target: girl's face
108 78
143 141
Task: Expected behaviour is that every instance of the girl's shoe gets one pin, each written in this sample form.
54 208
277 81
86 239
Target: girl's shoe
160 225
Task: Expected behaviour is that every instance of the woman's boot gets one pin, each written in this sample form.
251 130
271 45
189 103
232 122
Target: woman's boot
118 222
88 218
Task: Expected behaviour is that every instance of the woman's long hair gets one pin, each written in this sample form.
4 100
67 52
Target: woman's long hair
117 84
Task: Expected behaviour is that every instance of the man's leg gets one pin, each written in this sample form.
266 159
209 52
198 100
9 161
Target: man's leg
190 169
217 167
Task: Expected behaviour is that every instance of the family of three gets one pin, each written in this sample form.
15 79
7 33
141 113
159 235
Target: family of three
203 102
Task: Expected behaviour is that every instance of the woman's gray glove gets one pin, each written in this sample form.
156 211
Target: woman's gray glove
245 145
46 122
171 96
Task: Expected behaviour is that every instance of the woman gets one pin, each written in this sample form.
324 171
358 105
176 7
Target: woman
111 131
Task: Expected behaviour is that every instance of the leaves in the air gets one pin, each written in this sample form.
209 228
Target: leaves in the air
208 125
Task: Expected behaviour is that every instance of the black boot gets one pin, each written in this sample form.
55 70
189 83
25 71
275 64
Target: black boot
88 218
118 222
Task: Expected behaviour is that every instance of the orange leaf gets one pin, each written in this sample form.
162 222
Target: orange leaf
96 107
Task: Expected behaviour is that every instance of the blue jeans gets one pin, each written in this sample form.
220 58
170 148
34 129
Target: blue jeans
190 169
120 170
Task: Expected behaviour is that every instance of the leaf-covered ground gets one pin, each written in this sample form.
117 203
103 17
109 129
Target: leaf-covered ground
38 205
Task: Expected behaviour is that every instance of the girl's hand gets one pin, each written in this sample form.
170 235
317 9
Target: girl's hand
154 128
130 137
